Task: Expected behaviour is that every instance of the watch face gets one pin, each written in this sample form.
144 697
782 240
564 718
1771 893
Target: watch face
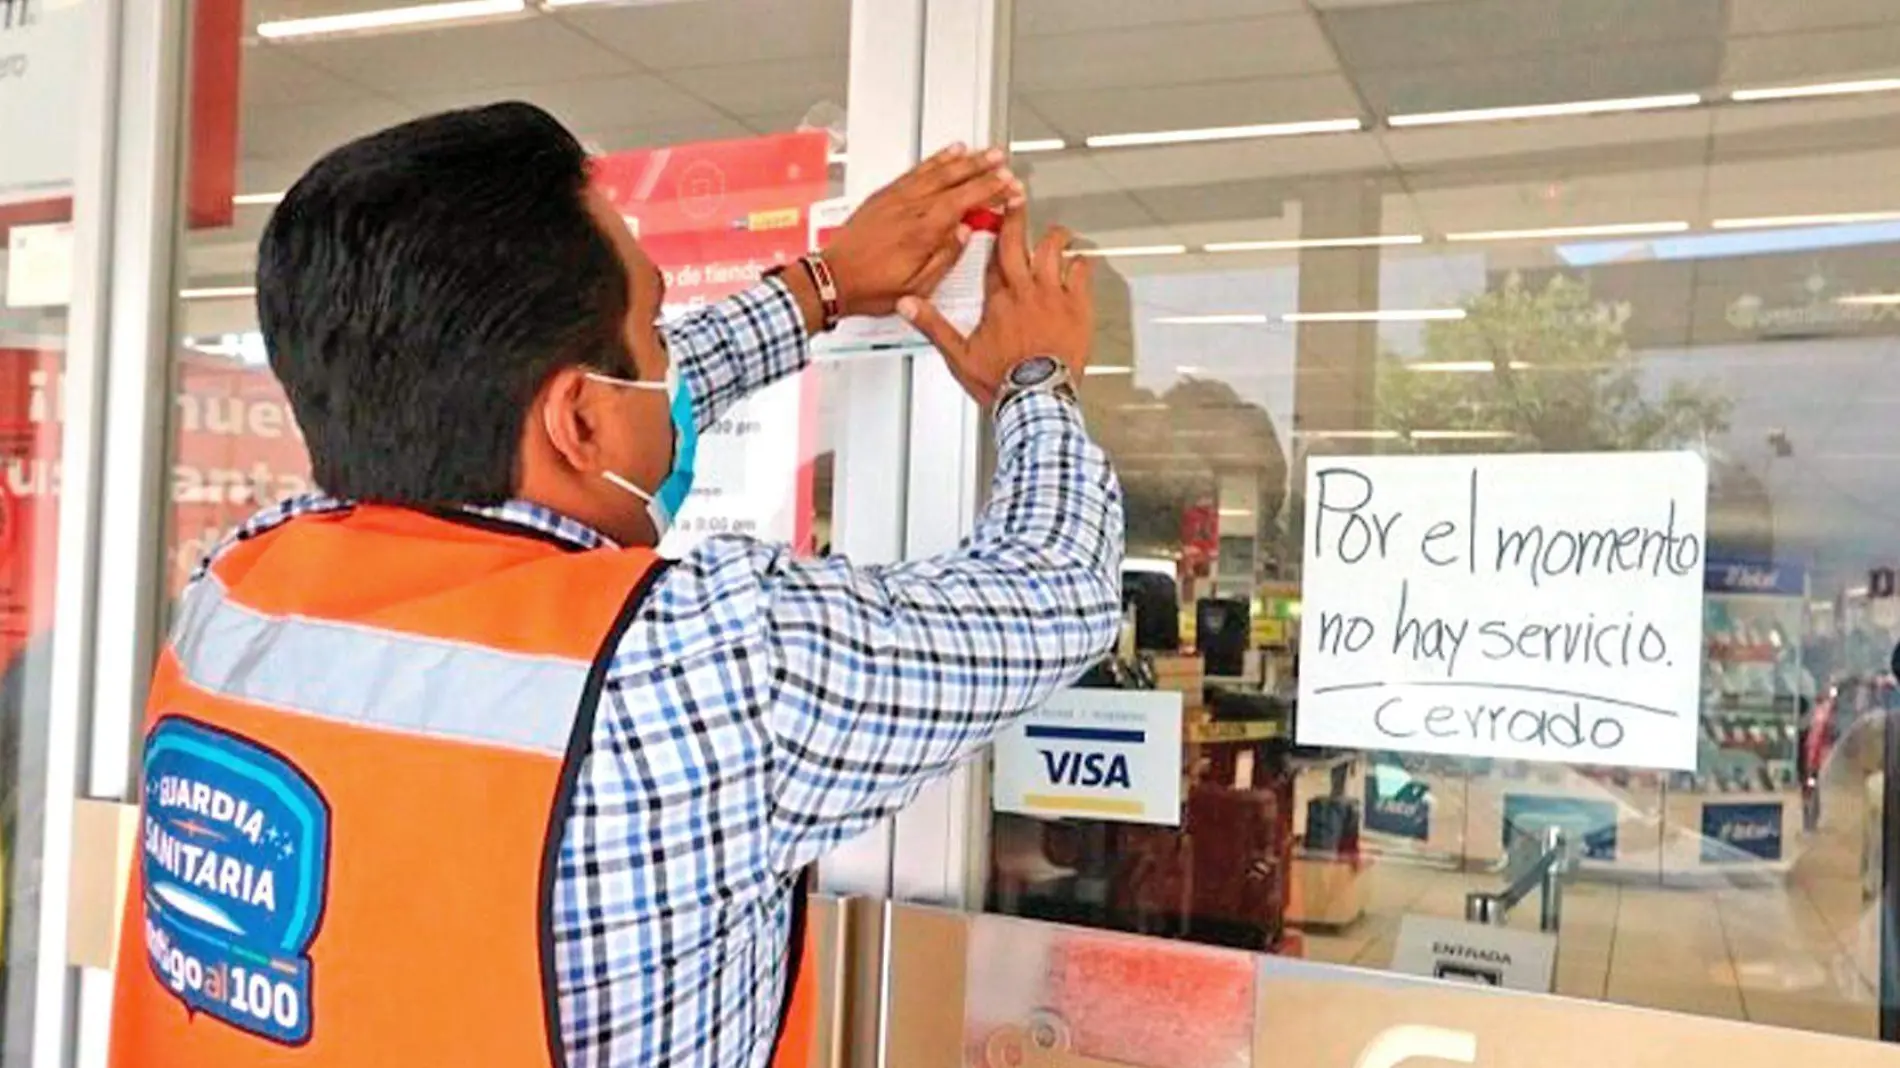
1033 372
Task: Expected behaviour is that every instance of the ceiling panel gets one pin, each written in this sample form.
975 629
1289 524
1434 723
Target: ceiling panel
1493 145
490 55
298 134
1092 213
725 32
1646 196
1549 78
1342 5
1170 54
1217 202
621 138
594 102
1481 31
1141 169
1823 56
1041 18
275 76
760 88
1077 114
1846 131
1025 122
1806 185
1784 16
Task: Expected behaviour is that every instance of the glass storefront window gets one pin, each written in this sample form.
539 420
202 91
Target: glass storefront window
43 61
1490 232
705 128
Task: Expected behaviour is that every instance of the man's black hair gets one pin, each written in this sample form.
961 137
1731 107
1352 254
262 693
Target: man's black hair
417 287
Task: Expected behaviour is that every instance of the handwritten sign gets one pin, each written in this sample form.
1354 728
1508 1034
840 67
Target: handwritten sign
1531 606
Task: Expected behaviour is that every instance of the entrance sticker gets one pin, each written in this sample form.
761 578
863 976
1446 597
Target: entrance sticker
1475 954
1529 606
235 857
1095 754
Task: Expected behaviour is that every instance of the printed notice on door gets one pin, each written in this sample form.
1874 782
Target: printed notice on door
1535 606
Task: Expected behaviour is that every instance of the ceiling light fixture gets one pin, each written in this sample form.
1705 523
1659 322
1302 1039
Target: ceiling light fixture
1462 367
1862 300
1038 144
389 18
1225 133
1294 244
1607 230
1213 320
1461 435
1349 435
1093 371
244 200
1382 315
217 293
1129 250
1545 111
1800 92
1770 222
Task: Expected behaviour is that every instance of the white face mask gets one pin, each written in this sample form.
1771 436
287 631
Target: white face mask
664 502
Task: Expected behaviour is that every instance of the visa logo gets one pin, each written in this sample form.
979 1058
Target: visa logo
1071 768
1097 766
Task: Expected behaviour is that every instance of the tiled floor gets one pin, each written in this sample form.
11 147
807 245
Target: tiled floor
1794 952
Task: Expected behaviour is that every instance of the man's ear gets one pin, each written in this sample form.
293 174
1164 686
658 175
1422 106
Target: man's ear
570 420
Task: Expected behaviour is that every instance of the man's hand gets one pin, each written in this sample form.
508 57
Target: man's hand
1034 306
908 235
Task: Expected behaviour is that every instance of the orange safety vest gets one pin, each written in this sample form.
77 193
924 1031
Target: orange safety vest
360 751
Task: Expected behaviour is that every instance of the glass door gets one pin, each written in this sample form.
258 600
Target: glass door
1360 267
53 126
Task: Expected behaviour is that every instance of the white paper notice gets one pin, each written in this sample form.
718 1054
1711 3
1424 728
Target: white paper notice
1531 606
960 298
40 266
746 476
42 48
1094 754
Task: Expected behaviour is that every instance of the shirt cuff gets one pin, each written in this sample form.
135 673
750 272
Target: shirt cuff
1029 414
777 292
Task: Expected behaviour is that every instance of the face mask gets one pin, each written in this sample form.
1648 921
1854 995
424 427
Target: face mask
664 503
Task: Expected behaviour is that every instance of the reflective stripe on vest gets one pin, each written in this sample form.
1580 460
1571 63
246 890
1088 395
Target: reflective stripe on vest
376 678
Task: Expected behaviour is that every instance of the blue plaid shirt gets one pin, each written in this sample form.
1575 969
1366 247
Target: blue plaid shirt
762 709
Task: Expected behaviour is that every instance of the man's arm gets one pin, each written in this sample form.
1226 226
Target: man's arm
883 678
901 241
727 351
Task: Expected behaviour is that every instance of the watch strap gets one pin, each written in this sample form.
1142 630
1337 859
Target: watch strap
1059 384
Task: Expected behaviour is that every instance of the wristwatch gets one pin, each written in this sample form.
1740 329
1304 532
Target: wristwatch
1038 374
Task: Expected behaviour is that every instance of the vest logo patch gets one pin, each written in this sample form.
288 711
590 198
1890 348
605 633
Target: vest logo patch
235 855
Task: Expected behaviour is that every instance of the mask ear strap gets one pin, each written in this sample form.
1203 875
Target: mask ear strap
624 484
628 383
547 424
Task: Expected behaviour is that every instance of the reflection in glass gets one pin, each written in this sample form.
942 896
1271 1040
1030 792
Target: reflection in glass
1556 227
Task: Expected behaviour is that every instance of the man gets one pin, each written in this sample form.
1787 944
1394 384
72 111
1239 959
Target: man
447 767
